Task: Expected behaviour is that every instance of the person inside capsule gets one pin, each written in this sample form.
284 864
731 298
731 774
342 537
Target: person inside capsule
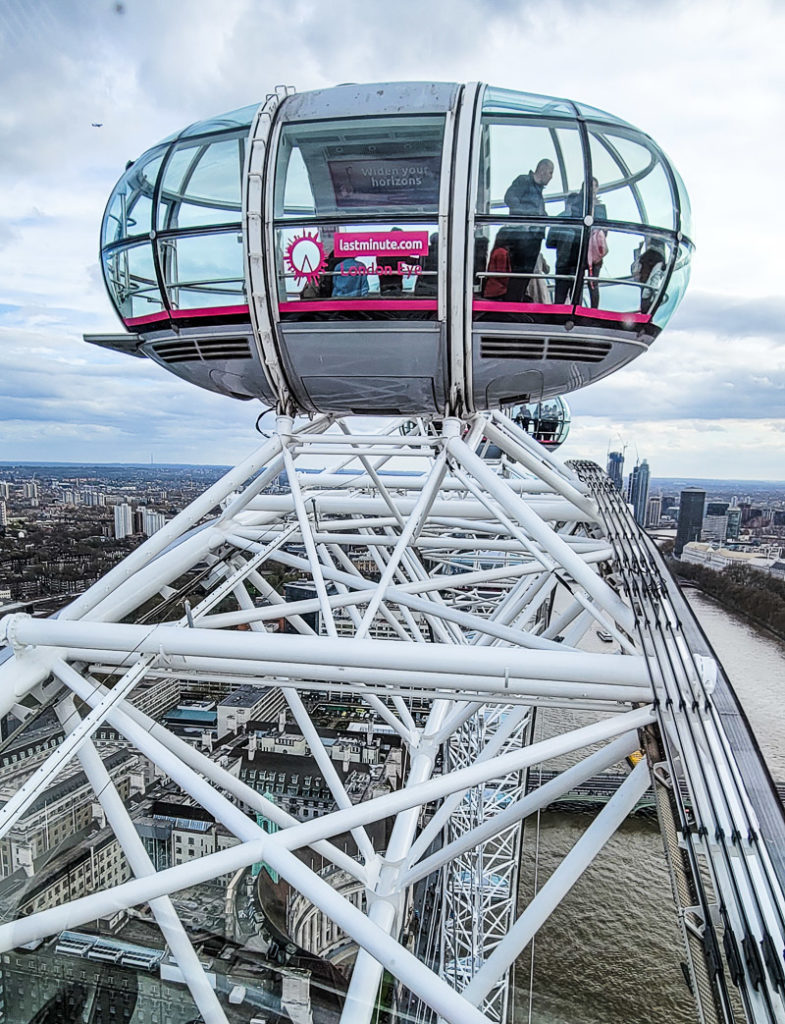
523 242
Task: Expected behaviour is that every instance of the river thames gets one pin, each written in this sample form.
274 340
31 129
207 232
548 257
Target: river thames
617 929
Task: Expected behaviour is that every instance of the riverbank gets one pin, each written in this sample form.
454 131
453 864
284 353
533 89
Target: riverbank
746 593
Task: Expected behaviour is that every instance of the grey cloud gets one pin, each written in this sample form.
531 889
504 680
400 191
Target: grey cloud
730 316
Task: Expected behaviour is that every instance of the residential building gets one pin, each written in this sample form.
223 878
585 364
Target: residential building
123 521
653 511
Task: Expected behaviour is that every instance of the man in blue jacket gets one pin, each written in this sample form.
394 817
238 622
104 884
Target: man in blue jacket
524 199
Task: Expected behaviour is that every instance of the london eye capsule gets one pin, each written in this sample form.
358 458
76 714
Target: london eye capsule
415 248
547 422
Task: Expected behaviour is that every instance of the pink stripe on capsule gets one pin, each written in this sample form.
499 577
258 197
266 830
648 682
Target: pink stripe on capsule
336 305
185 314
487 305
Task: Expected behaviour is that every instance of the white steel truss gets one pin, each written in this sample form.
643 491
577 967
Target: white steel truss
451 600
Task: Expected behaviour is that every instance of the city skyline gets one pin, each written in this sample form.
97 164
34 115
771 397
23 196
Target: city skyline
95 85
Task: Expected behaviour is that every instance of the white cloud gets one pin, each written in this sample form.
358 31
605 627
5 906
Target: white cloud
707 83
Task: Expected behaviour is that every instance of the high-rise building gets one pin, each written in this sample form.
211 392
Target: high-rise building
3 516
734 522
31 489
715 521
716 508
5 490
714 528
690 521
616 468
653 511
152 522
638 490
123 521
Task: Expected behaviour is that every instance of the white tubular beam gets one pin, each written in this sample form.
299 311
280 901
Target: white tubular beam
549 472
31 788
393 482
560 882
415 975
534 801
458 716
163 910
530 519
149 579
393 682
236 575
183 762
374 478
321 756
266 847
502 663
171 531
513 720
512 528
406 595
21 674
329 505
386 910
285 428
413 526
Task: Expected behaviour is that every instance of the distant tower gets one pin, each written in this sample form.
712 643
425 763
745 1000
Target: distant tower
653 511
690 518
715 521
638 494
734 522
123 521
616 468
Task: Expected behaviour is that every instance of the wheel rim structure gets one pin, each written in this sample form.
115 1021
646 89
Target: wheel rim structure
453 604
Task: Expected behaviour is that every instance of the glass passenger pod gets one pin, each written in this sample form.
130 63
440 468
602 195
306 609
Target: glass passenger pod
547 422
358 255
576 263
172 232
172 251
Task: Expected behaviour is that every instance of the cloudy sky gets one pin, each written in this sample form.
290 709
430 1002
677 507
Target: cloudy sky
706 80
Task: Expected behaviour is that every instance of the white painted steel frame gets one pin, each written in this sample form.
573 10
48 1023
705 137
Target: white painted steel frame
489 586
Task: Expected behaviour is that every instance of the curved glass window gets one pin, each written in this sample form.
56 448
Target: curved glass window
240 118
529 263
675 287
130 208
625 270
528 168
361 166
633 183
595 114
203 271
501 100
356 204
130 276
685 209
201 184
